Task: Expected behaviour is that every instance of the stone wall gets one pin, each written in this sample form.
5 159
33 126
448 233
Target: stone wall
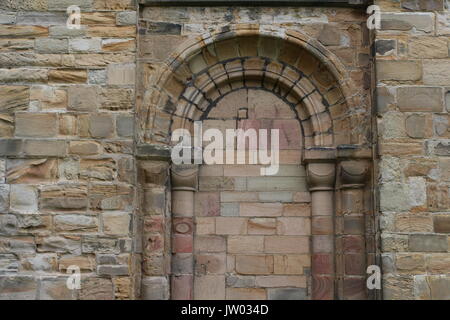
71 193
316 60
66 149
413 64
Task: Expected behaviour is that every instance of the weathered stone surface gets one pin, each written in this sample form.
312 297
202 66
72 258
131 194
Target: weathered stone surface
4 198
434 72
6 126
23 31
126 18
98 169
85 45
443 23
7 18
256 264
83 98
116 223
31 171
113 270
63 198
287 294
55 288
13 98
84 147
394 197
117 99
23 199
85 263
64 32
397 287
75 223
121 74
245 294
428 47
418 5
237 281
42 148
23 75
47 97
67 76
398 70
420 99
415 126
441 224
59 244
8 224
155 288
48 45
2 170
210 287
20 287
125 126
422 22
41 262
99 245
96 289
97 76
428 243
62 5
101 126
8 263
36 125
17 245
431 287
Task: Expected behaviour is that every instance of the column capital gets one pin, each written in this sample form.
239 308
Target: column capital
321 176
184 177
354 173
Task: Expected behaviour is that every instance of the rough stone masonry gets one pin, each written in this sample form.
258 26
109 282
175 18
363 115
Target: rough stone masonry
85 178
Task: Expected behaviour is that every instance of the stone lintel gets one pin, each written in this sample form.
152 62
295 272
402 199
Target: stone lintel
153 152
353 151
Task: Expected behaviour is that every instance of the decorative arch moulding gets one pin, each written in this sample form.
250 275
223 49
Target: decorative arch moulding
190 75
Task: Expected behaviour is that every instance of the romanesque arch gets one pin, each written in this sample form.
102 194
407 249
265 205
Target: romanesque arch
318 89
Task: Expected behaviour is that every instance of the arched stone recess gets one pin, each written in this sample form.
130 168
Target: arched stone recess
318 89
288 63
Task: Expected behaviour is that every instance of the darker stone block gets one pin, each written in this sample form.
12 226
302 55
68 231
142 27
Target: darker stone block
182 263
428 243
10 147
287 294
354 225
155 152
423 5
18 287
442 149
113 270
163 28
125 125
383 46
354 264
355 289
441 224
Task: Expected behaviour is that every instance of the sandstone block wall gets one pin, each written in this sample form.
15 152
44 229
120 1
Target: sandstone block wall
66 149
68 179
413 64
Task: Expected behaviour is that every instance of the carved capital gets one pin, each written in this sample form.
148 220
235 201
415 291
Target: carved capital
321 176
153 172
184 177
354 174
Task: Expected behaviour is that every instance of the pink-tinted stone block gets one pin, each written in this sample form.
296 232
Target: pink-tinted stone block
182 243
